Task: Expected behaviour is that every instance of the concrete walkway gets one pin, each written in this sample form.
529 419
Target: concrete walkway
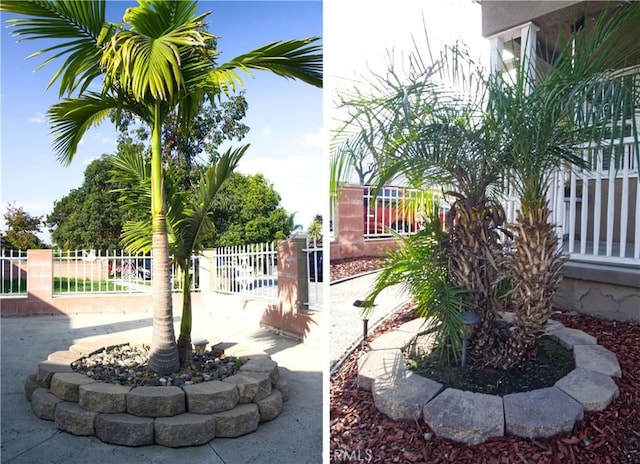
294 436
346 323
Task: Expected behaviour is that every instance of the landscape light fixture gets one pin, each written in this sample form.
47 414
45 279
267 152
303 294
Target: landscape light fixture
469 322
365 320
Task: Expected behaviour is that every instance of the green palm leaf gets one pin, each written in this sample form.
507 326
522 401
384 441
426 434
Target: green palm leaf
82 23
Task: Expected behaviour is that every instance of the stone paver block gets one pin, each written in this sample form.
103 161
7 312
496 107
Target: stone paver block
30 385
240 420
569 338
404 398
271 406
540 413
377 364
64 356
552 326
594 390
124 429
597 358
465 417
156 401
185 430
252 386
282 384
43 403
85 348
103 397
72 418
210 397
46 369
417 326
392 340
65 386
242 352
262 365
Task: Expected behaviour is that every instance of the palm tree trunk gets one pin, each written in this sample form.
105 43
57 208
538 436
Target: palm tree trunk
471 264
163 358
536 272
184 340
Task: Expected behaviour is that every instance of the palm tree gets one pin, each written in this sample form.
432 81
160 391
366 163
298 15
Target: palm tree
432 133
508 129
188 218
163 60
539 131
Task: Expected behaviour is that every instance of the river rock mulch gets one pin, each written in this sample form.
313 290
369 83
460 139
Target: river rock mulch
128 365
359 431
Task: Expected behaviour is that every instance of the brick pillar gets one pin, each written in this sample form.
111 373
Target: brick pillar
40 274
293 287
349 224
289 315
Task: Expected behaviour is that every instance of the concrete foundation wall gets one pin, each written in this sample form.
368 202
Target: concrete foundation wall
615 295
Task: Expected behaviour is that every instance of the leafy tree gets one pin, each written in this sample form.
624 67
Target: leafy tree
159 59
90 217
22 229
248 210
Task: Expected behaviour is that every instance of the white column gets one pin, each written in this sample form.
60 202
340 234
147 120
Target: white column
496 60
528 33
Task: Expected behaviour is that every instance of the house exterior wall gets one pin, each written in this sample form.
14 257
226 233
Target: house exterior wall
499 15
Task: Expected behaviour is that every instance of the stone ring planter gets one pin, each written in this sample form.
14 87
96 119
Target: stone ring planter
472 418
171 416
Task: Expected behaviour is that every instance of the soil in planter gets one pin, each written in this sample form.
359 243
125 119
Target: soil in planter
551 364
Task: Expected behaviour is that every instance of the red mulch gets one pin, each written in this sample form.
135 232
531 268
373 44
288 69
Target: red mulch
359 433
350 267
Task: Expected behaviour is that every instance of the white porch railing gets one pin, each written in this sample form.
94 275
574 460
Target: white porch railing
247 270
596 210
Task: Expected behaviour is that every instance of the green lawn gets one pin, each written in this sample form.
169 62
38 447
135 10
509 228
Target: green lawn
14 286
70 285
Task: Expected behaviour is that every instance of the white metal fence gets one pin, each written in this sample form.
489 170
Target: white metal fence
91 271
315 274
400 209
247 270
13 272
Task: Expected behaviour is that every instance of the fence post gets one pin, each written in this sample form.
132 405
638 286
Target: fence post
293 287
40 274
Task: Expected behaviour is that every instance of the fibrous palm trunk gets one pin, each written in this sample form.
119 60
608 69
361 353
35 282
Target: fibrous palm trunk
536 274
472 250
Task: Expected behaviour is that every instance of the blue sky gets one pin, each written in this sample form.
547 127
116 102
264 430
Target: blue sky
285 116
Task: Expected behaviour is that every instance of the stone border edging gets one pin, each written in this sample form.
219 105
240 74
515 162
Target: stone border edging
171 416
472 418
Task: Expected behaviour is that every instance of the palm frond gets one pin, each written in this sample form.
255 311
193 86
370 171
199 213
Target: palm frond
292 59
71 118
80 24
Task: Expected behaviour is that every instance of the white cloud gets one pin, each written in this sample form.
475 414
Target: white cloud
39 118
313 140
267 131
